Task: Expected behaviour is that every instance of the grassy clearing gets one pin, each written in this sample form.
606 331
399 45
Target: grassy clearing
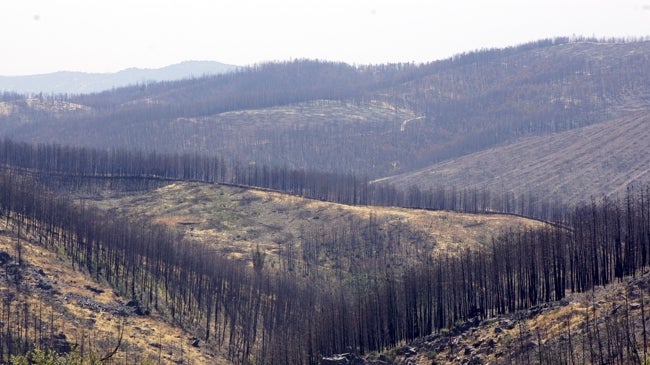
236 221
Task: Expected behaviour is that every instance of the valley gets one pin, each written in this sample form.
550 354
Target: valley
493 207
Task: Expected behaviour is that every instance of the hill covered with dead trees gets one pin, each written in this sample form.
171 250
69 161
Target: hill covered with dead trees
276 316
369 121
532 157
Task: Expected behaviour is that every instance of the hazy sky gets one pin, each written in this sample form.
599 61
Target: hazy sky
39 36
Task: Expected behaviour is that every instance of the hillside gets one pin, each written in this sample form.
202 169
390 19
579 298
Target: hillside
217 260
572 166
372 121
71 82
48 301
235 212
67 301
604 326
509 322
298 234
84 312
232 221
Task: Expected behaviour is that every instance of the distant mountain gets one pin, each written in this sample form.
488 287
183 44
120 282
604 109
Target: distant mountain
81 82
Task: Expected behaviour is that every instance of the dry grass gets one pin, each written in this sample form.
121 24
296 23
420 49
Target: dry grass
548 328
6 109
82 310
56 106
236 221
559 321
318 112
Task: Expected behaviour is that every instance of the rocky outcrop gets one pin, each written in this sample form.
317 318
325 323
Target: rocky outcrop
343 359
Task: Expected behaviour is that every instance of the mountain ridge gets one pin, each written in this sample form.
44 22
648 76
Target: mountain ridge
78 82
368 121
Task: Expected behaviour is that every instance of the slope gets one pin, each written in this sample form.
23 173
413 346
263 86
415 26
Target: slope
36 284
310 237
50 303
370 121
572 166
607 325
191 281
